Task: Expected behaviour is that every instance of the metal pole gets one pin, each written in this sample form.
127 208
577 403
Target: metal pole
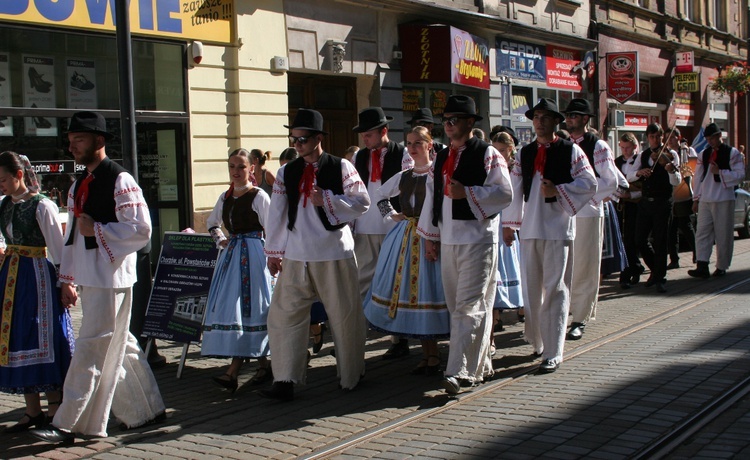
125 77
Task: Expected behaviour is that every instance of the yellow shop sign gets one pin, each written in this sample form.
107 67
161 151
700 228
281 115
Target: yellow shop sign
207 20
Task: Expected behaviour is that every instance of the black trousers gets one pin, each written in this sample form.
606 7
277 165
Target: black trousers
685 225
654 215
628 214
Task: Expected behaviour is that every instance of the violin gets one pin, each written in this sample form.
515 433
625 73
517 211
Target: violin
662 156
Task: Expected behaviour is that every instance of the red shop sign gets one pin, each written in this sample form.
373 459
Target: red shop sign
622 75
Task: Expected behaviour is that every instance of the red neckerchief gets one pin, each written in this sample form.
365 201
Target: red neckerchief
82 194
376 170
230 192
306 184
449 167
541 158
714 154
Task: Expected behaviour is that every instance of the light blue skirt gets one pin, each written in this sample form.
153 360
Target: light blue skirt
509 295
238 301
418 310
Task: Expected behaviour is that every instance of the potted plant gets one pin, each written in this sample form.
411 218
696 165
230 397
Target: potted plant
733 78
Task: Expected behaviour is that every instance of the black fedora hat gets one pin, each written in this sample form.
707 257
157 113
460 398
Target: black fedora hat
545 104
459 104
371 118
423 115
712 130
308 119
89 122
580 106
509 131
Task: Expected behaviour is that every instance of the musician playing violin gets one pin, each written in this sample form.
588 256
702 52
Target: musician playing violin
681 228
659 170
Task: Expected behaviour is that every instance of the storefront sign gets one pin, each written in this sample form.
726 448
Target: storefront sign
180 293
683 62
622 75
520 60
39 91
81 84
634 120
425 56
6 123
684 109
560 62
412 99
438 100
686 82
207 20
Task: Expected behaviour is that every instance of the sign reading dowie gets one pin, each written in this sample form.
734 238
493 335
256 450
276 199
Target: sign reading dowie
180 293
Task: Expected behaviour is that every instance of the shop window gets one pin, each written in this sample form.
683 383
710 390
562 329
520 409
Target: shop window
47 69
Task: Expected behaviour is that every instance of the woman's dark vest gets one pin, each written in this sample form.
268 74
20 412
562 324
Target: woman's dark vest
238 215
391 166
722 159
412 185
469 172
328 177
100 204
26 231
556 166
657 184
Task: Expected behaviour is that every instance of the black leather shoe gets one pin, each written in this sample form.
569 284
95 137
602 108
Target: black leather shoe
701 271
719 272
650 281
281 391
38 421
397 350
53 435
548 366
451 385
661 287
576 331
672 265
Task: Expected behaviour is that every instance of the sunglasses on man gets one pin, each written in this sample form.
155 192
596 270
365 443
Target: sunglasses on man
452 121
301 139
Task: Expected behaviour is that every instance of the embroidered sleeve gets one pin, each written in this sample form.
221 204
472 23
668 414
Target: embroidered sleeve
496 193
277 218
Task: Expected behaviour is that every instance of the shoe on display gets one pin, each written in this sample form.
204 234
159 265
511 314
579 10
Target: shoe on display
80 82
37 82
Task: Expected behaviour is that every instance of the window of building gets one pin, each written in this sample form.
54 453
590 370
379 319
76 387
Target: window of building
719 14
692 10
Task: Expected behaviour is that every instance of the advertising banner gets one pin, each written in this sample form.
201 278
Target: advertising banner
683 109
39 91
470 60
622 75
180 292
560 62
520 60
207 20
81 84
6 123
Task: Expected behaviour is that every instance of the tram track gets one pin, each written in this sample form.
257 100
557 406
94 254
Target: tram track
656 449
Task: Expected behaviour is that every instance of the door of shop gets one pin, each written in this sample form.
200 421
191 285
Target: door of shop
335 99
162 174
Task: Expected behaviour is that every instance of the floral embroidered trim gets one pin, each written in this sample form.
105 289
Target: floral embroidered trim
329 206
98 230
277 254
476 202
131 205
67 278
565 195
511 223
428 234
127 190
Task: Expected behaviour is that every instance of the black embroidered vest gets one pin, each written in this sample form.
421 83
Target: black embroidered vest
722 159
26 231
412 185
657 184
556 166
469 172
100 204
588 145
391 166
328 177
238 215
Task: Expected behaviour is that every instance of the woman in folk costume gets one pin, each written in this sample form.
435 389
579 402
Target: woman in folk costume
509 295
406 297
36 338
240 292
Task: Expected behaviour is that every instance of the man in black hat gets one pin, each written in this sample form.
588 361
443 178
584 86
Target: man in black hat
380 160
108 222
552 182
587 250
467 188
659 171
682 206
719 170
310 246
423 117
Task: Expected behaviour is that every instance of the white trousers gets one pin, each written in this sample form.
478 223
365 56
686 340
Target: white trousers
469 274
366 250
108 369
715 223
547 275
587 262
299 285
